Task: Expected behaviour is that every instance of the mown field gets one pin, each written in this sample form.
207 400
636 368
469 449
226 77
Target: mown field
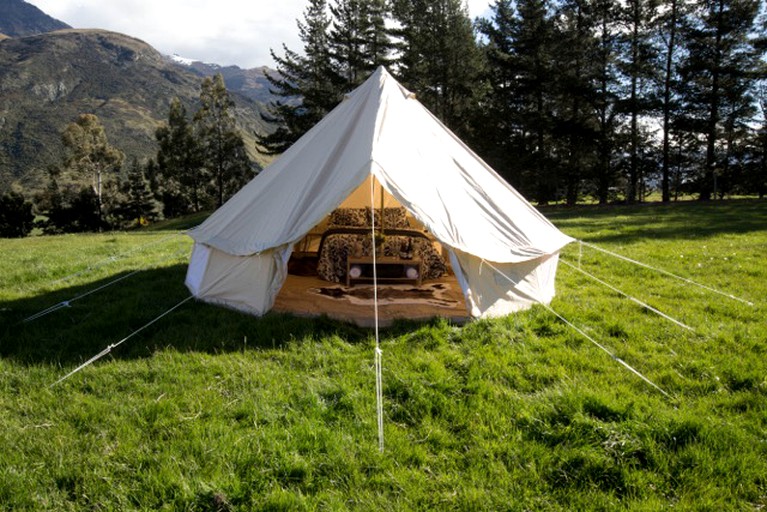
208 409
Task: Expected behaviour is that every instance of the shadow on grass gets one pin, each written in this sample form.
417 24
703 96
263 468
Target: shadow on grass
684 220
73 334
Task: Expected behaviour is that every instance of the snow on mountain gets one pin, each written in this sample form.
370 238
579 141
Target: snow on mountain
181 60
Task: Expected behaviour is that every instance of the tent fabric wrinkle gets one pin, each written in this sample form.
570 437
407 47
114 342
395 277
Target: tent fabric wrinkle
381 132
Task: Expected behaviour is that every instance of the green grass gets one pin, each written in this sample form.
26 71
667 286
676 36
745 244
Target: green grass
209 409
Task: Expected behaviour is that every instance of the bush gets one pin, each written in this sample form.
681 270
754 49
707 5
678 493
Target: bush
72 211
16 217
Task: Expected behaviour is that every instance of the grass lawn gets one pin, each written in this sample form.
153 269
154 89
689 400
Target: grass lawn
209 409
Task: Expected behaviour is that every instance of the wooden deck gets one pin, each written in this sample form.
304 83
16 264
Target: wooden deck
311 296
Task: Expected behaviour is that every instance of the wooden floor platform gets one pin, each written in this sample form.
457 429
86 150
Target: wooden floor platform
311 296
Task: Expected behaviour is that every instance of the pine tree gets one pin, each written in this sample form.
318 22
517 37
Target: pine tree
718 77
668 26
605 100
496 130
378 38
637 67
179 162
758 176
139 206
520 66
439 58
223 150
307 83
16 217
576 87
359 41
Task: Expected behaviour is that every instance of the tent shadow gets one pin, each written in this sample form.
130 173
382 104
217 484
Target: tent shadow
72 334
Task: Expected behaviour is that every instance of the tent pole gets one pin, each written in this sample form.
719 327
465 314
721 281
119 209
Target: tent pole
378 352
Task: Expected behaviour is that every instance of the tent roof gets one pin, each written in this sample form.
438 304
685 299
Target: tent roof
381 129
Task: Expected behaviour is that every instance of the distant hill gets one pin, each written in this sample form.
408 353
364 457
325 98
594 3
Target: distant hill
47 80
19 19
248 82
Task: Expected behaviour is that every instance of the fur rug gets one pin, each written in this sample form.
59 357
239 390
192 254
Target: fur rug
436 294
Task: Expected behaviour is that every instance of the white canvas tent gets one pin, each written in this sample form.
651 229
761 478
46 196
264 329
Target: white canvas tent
379 133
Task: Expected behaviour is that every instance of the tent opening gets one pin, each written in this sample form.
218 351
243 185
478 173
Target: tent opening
331 266
345 236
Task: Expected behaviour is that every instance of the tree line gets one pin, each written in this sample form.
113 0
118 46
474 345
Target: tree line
569 100
201 161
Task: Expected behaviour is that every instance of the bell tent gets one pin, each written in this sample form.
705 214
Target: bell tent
379 147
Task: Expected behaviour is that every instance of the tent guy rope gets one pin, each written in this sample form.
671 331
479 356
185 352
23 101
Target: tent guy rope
67 303
666 272
582 333
113 258
633 299
109 348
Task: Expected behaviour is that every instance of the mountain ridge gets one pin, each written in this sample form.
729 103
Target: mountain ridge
47 80
20 19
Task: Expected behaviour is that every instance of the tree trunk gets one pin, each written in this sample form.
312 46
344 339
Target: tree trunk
98 196
665 171
634 161
708 186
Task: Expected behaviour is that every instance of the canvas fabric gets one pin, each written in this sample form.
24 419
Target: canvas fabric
380 132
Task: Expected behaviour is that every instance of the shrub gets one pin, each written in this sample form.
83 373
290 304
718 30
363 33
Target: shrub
16 217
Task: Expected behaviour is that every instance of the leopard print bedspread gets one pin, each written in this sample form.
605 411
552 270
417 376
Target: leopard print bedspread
331 265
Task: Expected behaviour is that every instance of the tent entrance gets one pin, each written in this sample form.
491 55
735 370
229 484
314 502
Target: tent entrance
329 271
341 245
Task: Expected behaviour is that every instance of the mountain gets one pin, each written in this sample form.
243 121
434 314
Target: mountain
47 80
19 19
248 82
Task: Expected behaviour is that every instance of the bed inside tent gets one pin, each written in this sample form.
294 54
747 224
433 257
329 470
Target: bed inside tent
330 270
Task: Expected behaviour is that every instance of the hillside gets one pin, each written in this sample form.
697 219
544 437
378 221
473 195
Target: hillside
47 80
19 19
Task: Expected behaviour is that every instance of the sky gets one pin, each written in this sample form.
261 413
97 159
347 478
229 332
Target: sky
225 32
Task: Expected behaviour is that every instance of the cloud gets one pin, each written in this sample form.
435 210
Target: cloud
223 32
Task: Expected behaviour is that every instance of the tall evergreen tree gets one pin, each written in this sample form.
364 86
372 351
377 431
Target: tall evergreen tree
668 27
576 79
223 150
179 162
307 84
521 69
359 39
758 176
139 206
495 128
378 37
16 217
637 65
439 58
607 29
718 76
